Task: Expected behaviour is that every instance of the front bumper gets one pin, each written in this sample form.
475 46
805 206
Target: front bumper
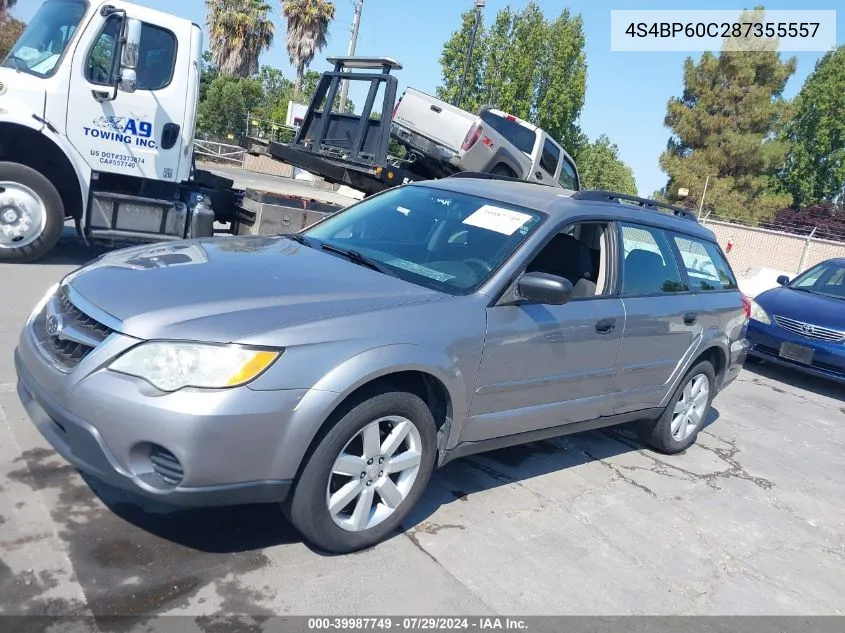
229 444
828 359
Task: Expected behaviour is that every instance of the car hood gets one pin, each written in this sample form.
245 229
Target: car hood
226 289
804 306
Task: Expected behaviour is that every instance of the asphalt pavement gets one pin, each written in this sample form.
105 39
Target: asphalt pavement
751 520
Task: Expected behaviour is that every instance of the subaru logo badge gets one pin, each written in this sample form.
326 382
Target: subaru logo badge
54 325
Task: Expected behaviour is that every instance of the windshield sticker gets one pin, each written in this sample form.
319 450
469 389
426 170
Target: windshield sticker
411 267
496 219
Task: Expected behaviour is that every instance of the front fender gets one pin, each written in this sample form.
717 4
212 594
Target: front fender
16 115
334 387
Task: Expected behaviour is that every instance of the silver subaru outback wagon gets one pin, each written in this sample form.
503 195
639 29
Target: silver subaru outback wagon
334 369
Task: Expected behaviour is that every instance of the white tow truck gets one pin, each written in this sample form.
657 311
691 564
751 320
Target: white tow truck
98 106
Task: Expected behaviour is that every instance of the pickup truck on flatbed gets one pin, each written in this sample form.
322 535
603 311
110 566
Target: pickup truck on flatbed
443 139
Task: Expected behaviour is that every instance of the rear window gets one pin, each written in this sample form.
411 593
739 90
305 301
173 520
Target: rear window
706 267
520 136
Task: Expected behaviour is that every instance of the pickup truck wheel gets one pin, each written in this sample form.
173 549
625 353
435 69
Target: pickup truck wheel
31 214
503 170
366 474
677 428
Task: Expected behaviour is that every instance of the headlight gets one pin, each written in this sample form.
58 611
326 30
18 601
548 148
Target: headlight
170 366
759 314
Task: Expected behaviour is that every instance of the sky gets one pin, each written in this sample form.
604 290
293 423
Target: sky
627 92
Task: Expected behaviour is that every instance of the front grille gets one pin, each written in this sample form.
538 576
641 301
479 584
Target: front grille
65 334
166 465
810 331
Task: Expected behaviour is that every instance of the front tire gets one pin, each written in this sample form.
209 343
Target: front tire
32 214
366 473
678 427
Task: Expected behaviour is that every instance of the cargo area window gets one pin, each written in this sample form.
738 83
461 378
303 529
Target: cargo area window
567 178
706 267
522 137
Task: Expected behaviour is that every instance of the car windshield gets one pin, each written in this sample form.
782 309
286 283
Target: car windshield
451 242
828 278
45 39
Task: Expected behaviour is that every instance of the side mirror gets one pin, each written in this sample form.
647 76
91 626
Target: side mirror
544 288
129 54
783 280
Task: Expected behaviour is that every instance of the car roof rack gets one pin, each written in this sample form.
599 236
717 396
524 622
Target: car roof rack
645 203
483 175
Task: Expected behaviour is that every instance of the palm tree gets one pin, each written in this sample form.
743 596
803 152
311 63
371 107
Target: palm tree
5 5
239 31
308 25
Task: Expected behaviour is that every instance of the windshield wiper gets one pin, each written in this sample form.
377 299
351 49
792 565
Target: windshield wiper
358 258
20 63
296 237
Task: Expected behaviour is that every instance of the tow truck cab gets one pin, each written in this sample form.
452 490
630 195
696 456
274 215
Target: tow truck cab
98 108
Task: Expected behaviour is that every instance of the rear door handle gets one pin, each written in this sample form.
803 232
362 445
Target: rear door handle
606 326
539 175
690 318
436 108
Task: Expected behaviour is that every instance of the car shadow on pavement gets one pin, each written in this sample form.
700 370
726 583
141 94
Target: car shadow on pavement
794 378
71 251
459 480
218 530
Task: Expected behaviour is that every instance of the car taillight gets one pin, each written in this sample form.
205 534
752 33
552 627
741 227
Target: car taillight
746 303
511 117
396 107
472 136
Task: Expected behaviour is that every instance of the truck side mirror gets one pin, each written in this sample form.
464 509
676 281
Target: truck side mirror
129 54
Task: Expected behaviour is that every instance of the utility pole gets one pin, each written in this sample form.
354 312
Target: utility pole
479 8
344 89
703 193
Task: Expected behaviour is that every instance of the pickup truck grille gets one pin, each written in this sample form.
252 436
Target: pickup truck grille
64 333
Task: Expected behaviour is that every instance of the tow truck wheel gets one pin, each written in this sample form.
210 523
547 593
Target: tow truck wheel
31 214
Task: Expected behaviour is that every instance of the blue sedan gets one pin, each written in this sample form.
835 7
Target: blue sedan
802 323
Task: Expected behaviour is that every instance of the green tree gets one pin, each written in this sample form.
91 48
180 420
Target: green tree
227 104
307 27
523 64
600 167
724 127
562 84
208 73
815 165
239 31
5 5
453 62
10 31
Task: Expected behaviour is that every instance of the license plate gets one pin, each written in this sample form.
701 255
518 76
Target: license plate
797 353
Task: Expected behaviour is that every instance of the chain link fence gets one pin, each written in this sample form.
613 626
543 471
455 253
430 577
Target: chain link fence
759 254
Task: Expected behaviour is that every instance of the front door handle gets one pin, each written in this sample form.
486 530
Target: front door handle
606 326
169 135
690 318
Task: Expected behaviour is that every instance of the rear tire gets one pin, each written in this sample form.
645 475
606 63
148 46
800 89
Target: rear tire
503 170
382 490
32 214
686 414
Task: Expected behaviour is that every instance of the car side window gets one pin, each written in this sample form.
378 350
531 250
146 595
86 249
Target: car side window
649 266
98 68
550 157
579 253
567 178
156 57
707 269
